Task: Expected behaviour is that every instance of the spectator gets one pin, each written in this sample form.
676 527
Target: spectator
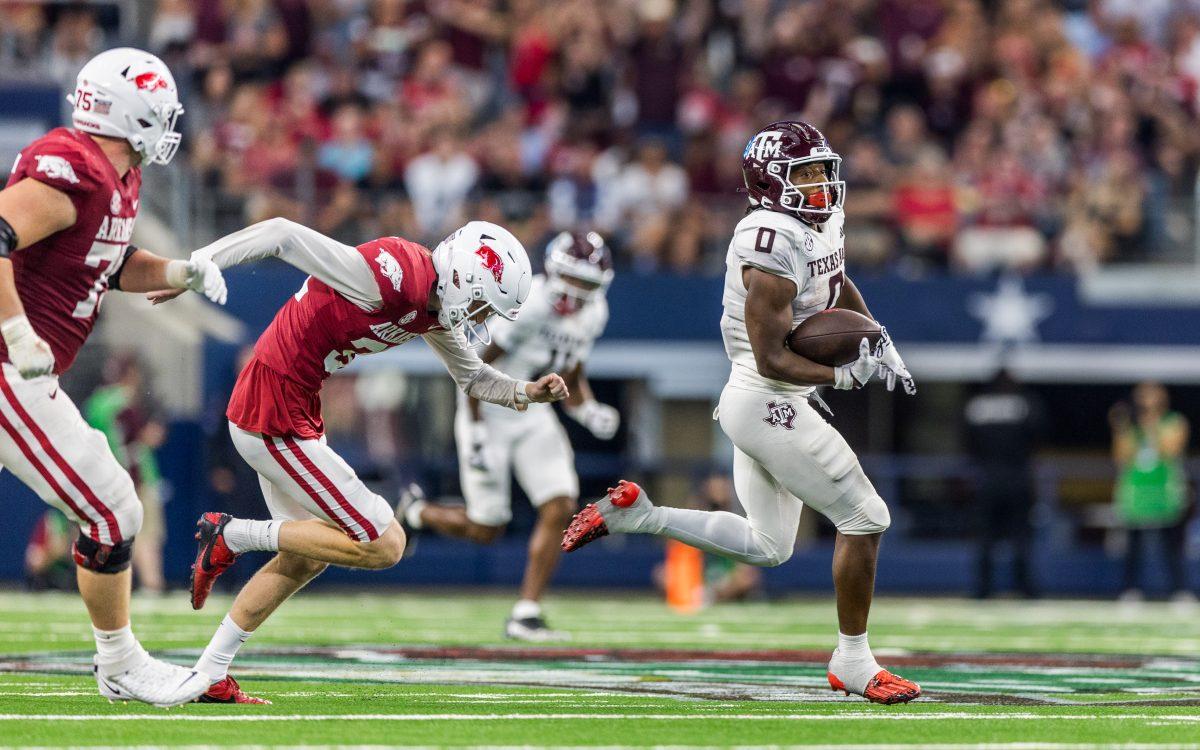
1151 496
348 154
1004 424
120 410
48 562
438 183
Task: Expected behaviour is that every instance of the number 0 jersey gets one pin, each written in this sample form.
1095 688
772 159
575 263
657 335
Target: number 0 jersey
813 259
62 278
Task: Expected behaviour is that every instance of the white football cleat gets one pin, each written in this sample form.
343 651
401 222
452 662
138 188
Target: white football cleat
143 678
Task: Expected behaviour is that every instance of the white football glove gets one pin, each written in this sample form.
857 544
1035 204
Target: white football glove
199 275
600 419
26 350
859 372
892 367
476 454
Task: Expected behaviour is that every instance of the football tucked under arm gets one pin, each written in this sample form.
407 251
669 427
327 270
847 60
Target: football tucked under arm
338 265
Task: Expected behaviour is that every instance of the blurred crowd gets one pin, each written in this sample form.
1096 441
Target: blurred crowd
1025 134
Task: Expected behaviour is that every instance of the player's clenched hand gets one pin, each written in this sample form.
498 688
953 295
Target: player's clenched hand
547 389
600 419
200 275
26 350
860 371
892 366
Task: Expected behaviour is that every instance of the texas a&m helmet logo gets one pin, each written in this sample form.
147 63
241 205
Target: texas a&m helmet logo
765 145
780 414
491 261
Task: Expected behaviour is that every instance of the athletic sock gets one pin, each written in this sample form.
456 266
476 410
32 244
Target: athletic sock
242 535
854 647
412 514
219 653
525 609
113 646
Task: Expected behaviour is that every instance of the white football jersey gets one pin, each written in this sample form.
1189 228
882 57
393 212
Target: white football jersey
541 341
814 259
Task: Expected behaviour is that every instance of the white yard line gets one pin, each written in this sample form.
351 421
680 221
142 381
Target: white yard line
844 716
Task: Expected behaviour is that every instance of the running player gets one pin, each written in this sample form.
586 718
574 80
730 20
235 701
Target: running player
357 300
565 314
66 217
786 263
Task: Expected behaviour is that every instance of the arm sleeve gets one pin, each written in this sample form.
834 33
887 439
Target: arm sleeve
475 378
340 266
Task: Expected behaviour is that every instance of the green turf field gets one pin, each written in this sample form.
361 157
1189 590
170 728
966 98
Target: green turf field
431 670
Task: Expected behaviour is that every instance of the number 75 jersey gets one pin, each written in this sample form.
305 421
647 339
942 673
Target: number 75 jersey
812 258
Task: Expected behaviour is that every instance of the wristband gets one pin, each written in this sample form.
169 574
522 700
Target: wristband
177 274
8 239
522 396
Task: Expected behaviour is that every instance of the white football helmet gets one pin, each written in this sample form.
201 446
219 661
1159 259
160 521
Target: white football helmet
480 267
128 93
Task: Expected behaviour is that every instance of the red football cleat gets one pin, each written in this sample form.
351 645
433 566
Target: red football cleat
884 687
228 691
588 524
212 558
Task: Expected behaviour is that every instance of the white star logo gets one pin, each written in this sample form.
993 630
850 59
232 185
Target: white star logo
1010 314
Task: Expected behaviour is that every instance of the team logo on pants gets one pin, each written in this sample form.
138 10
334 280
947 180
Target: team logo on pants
780 414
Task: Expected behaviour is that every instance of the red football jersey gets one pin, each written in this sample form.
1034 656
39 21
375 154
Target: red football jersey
319 331
62 278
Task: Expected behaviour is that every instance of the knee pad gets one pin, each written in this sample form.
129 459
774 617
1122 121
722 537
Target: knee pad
871 517
102 558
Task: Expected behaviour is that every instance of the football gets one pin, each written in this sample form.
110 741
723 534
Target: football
831 336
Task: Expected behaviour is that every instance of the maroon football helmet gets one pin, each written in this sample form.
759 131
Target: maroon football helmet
773 154
578 267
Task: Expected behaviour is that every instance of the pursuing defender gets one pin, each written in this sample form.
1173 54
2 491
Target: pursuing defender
357 300
66 217
565 314
786 263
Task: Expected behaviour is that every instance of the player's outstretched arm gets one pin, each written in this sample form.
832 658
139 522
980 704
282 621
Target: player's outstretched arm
485 382
768 323
30 211
338 265
600 419
143 271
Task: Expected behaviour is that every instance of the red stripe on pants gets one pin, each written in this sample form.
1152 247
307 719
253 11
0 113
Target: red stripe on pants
332 489
114 530
316 496
32 458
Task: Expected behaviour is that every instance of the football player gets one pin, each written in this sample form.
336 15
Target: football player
565 314
786 263
66 217
357 300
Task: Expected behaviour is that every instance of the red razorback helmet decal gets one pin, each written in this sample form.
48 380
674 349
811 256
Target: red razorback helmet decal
491 261
768 164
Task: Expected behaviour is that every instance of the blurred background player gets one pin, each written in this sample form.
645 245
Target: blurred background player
565 314
66 217
121 410
357 300
785 264
48 561
1151 494
1004 424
